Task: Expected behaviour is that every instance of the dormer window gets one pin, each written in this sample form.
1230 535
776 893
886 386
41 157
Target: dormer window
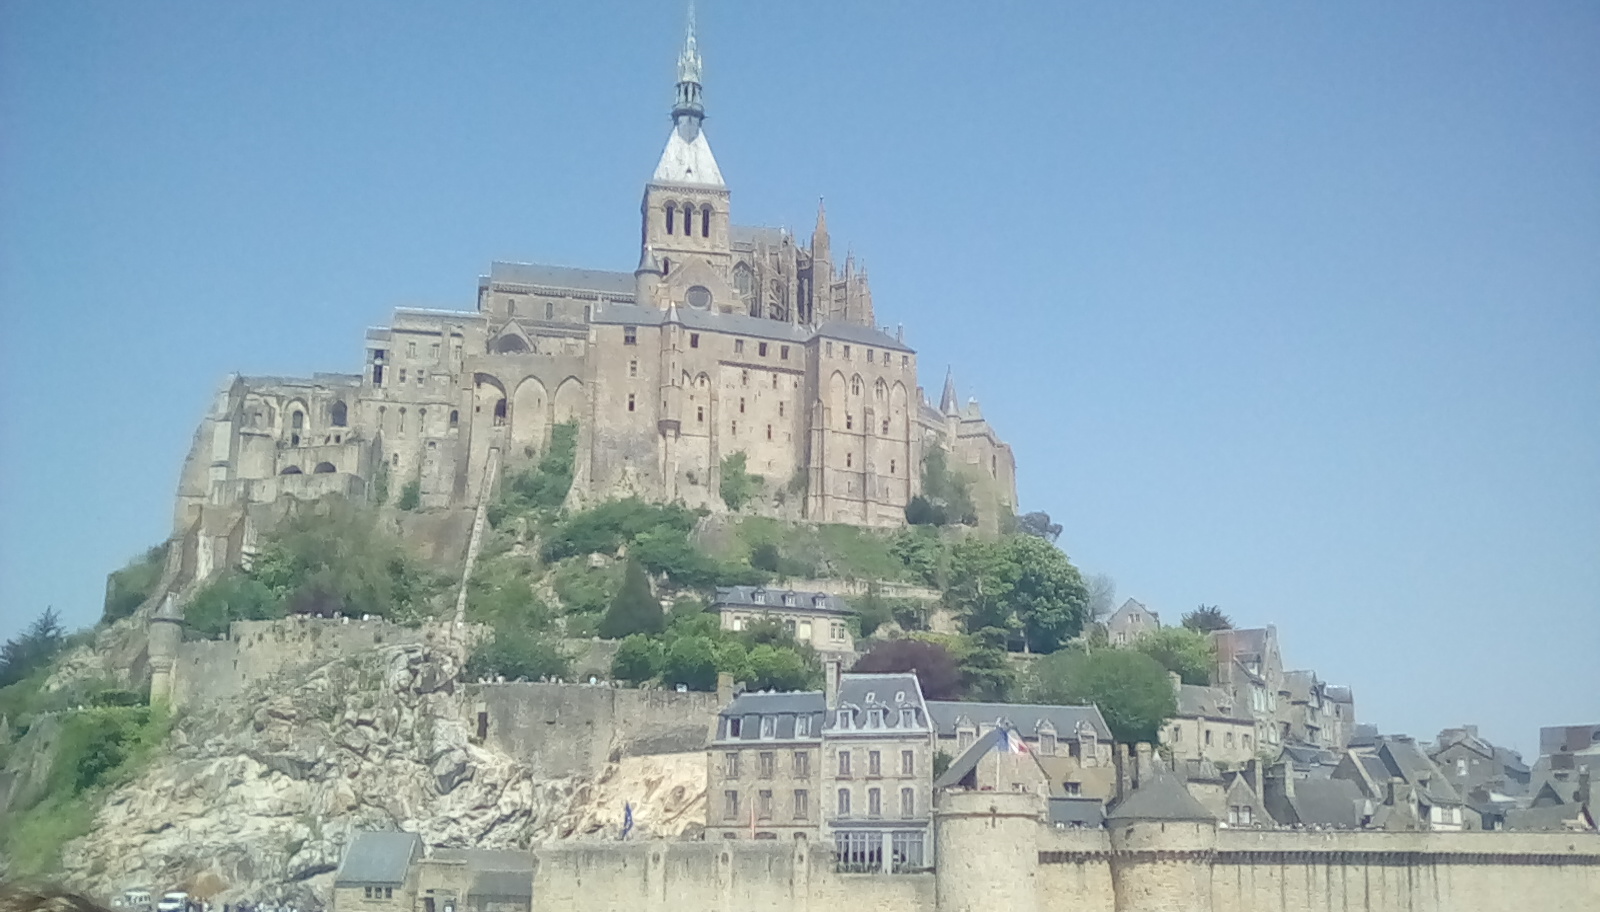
788 599
802 726
844 719
819 601
734 726
769 726
875 718
908 718
760 598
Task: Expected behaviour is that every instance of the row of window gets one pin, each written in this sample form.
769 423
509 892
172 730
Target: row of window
1205 736
765 807
1047 744
1241 815
862 851
769 725
799 630
685 225
378 892
800 761
872 354
908 758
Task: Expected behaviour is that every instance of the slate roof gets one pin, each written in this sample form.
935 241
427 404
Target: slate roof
1161 797
786 707
687 161
1196 700
1078 812
753 234
968 761
1405 759
861 693
746 597
1026 718
565 277
1560 818
1328 802
498 872
378 859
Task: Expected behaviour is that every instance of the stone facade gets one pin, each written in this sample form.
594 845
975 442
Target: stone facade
816 618
725 340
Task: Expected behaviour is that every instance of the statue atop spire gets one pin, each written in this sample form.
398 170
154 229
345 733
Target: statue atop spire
688 111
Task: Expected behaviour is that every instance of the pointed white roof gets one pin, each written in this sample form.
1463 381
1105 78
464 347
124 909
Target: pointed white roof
688 162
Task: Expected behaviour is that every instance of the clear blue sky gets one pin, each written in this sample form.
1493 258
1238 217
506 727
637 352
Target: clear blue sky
1292 308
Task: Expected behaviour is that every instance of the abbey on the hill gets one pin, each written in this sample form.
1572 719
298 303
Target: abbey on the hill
724 340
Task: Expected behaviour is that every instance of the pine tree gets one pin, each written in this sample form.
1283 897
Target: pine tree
634 610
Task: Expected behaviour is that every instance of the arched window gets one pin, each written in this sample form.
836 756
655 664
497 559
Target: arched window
705 222
672 210
455 417
324 468
499 412
402 421
510 344
338 414
291 470
297 420
666 267
881 391
855 386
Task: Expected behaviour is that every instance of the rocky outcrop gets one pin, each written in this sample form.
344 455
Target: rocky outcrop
258 795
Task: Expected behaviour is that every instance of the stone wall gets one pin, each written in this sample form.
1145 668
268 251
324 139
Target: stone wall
205 671
716 876
568 729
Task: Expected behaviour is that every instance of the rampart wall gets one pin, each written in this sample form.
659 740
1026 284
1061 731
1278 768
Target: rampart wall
210 670
717 876
573 729
994 853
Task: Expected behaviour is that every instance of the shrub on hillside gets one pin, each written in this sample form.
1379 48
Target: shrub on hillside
634 609
231 596
738 485
936 669
639 659
127 589
516 653
543 487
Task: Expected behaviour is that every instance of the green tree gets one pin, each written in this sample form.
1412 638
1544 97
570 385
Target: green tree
936 668
127 589
1207 618
1130 688
1185 652
738 484
337 557
634 609
986 670
769 667
946 494
1020 586
32 650
765 556
231 596
691 661
517 653
639 658
924 555
410 495
543 487
872 611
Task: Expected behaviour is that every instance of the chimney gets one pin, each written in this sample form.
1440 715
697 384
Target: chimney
724 688
830 683
1252 775
1143 767
1177 685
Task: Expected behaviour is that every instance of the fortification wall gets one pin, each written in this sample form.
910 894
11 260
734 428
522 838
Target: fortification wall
714 876
1405 872
568 729
209 670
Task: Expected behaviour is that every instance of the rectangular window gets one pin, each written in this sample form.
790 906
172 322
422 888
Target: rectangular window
908 763
730 804
630 402
420 376
402 375
847 353
633 368
1227 739
905 361
1208 737
874 802
630 335
802 759
549 310
1071 789
761 349
411 349
783 353
874 763
844 764
769 726
764 804
730 760
802 804
908 852
766 764
858 852
769 432
780 409
802 726
694 340
871 356
738 346
844 802
741 405
908 802
828 348
1047 744
433 351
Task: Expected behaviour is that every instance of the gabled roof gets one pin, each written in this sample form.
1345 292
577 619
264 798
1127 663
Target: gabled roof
563 277
1160 797
1558 818
861 693
1026 718
378 859
1403 758
1334 803
963 765
688 162
1078 812
1196 700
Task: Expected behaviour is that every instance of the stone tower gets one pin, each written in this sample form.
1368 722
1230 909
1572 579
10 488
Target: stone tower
1162 844
986 857
684 225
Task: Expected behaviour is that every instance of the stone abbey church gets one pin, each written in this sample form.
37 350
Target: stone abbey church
723 340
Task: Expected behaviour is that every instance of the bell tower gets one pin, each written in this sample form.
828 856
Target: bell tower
684 215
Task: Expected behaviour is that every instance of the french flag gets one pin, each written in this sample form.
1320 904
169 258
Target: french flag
1013 743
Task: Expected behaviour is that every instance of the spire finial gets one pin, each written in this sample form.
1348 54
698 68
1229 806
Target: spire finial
688 110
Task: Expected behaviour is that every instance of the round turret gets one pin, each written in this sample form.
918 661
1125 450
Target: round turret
1162 843
987 858
163 635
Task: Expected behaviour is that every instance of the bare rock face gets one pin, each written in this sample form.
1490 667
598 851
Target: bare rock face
258 797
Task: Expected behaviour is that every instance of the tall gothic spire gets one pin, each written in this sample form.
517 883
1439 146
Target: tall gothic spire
948 403
688 111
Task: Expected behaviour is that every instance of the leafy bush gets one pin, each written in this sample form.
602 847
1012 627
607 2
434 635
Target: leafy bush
1022 587
639 659
935 667
765 556
127 589
410 495
1187 653
1131 689
946 497
691 661
543 487
231 596
380 484
738 484
337 558
499 595
517 653
635 609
